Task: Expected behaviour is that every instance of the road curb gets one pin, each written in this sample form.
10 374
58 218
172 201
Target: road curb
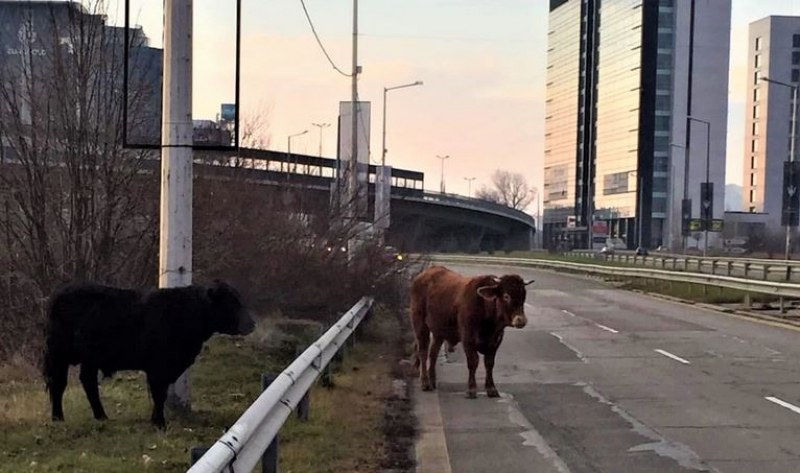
431 448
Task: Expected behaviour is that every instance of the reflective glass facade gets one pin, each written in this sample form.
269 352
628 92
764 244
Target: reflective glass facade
618 108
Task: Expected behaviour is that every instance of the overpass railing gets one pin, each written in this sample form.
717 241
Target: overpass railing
754 286
243 445
749 268
455 200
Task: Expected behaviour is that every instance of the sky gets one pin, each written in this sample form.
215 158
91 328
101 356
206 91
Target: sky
482 63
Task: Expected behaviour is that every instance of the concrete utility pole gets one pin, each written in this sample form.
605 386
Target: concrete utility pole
175 257
353 195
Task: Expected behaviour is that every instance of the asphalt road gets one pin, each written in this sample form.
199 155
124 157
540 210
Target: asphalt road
608 381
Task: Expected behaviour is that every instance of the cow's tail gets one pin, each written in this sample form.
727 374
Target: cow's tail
58 340
414 357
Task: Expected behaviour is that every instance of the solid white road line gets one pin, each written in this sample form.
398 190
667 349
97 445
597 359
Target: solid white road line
674 357
568 313
607 329
785 404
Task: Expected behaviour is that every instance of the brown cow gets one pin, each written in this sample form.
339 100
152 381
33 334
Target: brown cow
455 308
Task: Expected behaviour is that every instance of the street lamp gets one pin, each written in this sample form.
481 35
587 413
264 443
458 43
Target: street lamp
321 127
672 186
385 91
442 158
706 200
469 185
792 146
289 148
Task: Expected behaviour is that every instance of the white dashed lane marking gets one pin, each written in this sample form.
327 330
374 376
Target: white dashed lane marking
670 355
783 403
607 329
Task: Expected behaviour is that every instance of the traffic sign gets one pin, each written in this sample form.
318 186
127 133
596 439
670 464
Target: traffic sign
707 205
791 197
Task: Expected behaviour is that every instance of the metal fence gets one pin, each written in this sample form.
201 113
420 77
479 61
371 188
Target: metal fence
748 268
244 444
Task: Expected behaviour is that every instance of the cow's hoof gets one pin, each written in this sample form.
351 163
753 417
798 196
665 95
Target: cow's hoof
471 394
426 386
101 417
58 418
492 392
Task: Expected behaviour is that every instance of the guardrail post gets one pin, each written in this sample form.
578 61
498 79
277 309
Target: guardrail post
713 266
195 453
686 263
788 272
304 406
730 268
782 303
326 378
766 272
748 301
674 263
746 269
269 460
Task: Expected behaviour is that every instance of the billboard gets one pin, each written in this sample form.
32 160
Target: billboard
345 152
227 112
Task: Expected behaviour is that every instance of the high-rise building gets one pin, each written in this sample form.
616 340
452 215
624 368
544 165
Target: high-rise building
773 53
622 77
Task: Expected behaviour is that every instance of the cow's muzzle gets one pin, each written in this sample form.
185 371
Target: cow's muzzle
519 321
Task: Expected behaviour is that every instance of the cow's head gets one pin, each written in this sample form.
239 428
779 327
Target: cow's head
229 314
508 294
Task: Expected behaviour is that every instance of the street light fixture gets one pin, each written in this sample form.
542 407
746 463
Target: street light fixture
705 200
442 158
469 185
385 91
792 148
289 149
321 127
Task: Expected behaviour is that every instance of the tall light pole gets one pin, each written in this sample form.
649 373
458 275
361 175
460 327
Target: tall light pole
321 127
289 149
385 91
706 201
792 188
469 185
672 186
442 158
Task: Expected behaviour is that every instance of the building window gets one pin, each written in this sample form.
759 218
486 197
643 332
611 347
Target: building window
796 41
796 57
616 183
755 111
753 162
752 196
795 75
758 43
754 146
758 60
755 77
755 128
756 94
752 179
662 122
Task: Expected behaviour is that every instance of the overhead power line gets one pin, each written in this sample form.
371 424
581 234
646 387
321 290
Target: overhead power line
319 41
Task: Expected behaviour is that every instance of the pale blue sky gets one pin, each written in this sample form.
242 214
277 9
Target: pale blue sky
482 61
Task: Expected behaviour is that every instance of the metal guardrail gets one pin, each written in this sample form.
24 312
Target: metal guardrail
748 268
245 442
773 288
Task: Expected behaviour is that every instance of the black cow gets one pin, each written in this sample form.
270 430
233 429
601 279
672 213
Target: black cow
160 332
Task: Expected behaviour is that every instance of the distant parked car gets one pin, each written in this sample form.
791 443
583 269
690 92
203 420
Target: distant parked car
642 251
607 250
392 254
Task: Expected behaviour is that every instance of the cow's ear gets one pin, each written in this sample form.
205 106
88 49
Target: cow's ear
528 283
489 293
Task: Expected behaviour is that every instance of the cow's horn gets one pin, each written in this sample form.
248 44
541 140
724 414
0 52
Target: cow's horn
530 282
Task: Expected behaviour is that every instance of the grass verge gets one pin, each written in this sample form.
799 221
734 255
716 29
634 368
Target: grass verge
344 433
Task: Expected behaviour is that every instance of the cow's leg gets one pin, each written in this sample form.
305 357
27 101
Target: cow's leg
423 342
433 354
488 363
158 391
89 381
472 365
57 372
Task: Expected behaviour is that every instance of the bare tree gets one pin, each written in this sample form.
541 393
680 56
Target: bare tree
74 202
508 188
